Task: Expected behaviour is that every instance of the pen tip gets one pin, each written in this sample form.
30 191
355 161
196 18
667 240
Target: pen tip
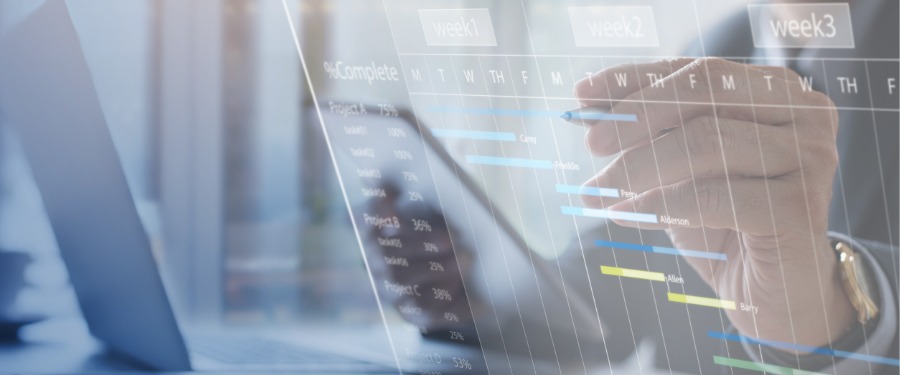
566 116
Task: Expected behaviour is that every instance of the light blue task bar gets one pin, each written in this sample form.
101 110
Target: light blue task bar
601 116
473 134
662 250
805 348
607 214
509 162
587 190
534 113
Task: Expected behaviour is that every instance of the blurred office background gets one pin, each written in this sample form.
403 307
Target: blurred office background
204 100
209 111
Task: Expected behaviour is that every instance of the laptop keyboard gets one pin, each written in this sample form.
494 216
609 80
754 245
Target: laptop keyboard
258 351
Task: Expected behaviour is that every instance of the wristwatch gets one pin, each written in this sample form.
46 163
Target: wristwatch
856 282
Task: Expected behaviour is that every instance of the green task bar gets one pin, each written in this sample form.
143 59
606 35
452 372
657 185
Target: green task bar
702 301
753 366
634 274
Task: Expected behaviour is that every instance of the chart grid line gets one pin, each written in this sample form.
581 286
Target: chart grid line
533 113
797 58
745 105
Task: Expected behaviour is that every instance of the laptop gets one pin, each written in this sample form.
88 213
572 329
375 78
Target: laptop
49 97
47 93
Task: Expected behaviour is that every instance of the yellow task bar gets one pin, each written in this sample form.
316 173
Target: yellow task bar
702 301
634 274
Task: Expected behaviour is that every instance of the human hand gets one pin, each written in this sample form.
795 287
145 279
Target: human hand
744 169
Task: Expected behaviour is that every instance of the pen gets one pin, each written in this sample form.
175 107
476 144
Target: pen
588 115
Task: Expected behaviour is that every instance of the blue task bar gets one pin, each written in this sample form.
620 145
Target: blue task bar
534 113
472 134
600 116
607 214
509 162
806 348
661 250
587 190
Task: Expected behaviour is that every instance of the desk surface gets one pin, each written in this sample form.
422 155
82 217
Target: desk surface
59 346
64 346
